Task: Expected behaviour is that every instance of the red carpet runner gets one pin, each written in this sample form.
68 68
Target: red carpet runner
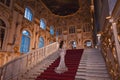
72 60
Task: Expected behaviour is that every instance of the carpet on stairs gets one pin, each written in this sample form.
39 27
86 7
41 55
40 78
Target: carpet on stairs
72 59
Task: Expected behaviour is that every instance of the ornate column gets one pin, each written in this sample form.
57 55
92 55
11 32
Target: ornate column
34 36
117 45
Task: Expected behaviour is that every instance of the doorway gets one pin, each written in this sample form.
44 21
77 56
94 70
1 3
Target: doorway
73 44
88 44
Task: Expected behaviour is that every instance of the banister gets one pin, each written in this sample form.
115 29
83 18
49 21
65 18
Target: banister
15 68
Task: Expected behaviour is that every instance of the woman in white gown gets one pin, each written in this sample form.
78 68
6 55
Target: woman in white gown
62 66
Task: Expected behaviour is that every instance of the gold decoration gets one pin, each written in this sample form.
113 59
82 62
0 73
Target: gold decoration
16 48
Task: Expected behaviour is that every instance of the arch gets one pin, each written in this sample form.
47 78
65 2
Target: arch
72 44
25 32
6 34
87 43
5 21
27 29
43 23
2 33
25 41
41 42
28 14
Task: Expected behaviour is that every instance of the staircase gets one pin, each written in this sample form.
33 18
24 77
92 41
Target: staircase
38 69
91 67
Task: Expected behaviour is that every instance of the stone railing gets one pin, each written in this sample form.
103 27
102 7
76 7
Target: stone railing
18 66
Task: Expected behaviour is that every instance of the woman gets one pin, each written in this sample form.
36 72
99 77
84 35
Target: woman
61 67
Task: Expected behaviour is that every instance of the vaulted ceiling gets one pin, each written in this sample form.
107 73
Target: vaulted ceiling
62 7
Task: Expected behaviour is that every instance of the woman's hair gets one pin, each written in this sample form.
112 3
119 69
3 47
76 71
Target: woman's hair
61 44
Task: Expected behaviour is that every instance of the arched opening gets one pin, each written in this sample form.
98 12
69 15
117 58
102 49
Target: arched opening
88 44
41 42
25 41
2 33
73 44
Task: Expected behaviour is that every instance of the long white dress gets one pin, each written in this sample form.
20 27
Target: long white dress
62 66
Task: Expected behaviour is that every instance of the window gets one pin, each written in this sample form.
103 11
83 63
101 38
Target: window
28 14
72 30
43 24
6 2
41 42
87 28
58 31
25 42
51 30
2 33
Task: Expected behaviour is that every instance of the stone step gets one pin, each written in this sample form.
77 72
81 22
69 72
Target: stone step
92 66
97 65
92 71
93 74
39 68
90 78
